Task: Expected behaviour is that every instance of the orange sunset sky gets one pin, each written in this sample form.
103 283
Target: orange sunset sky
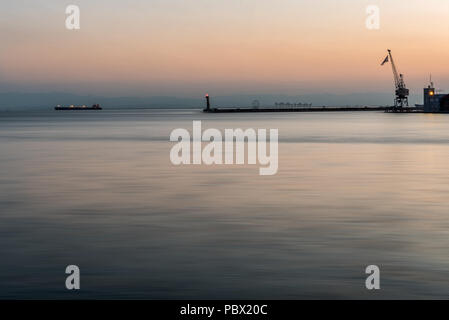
161 47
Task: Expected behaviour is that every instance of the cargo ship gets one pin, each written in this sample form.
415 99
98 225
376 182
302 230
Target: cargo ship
83 107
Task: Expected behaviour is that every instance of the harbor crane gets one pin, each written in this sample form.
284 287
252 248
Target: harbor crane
401 99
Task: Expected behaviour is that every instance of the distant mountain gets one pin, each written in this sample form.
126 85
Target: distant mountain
324 99
40 101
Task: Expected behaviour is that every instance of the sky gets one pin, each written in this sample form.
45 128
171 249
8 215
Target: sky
223 47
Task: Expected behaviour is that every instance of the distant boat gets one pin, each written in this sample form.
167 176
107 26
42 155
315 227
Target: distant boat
83 107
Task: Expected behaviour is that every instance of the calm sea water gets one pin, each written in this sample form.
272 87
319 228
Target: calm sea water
97 189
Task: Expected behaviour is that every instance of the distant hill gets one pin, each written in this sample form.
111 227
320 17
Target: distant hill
324 99
41 101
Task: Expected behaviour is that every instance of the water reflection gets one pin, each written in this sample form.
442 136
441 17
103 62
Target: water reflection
98 190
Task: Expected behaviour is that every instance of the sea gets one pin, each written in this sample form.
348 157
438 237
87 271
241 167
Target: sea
97 189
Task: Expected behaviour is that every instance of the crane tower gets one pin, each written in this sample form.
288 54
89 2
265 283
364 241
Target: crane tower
401 92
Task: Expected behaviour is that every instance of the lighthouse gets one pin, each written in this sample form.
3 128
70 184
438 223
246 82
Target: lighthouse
207 102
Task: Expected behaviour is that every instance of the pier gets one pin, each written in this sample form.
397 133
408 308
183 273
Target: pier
310 108
293 109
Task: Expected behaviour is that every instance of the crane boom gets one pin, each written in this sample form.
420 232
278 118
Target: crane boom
396 76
